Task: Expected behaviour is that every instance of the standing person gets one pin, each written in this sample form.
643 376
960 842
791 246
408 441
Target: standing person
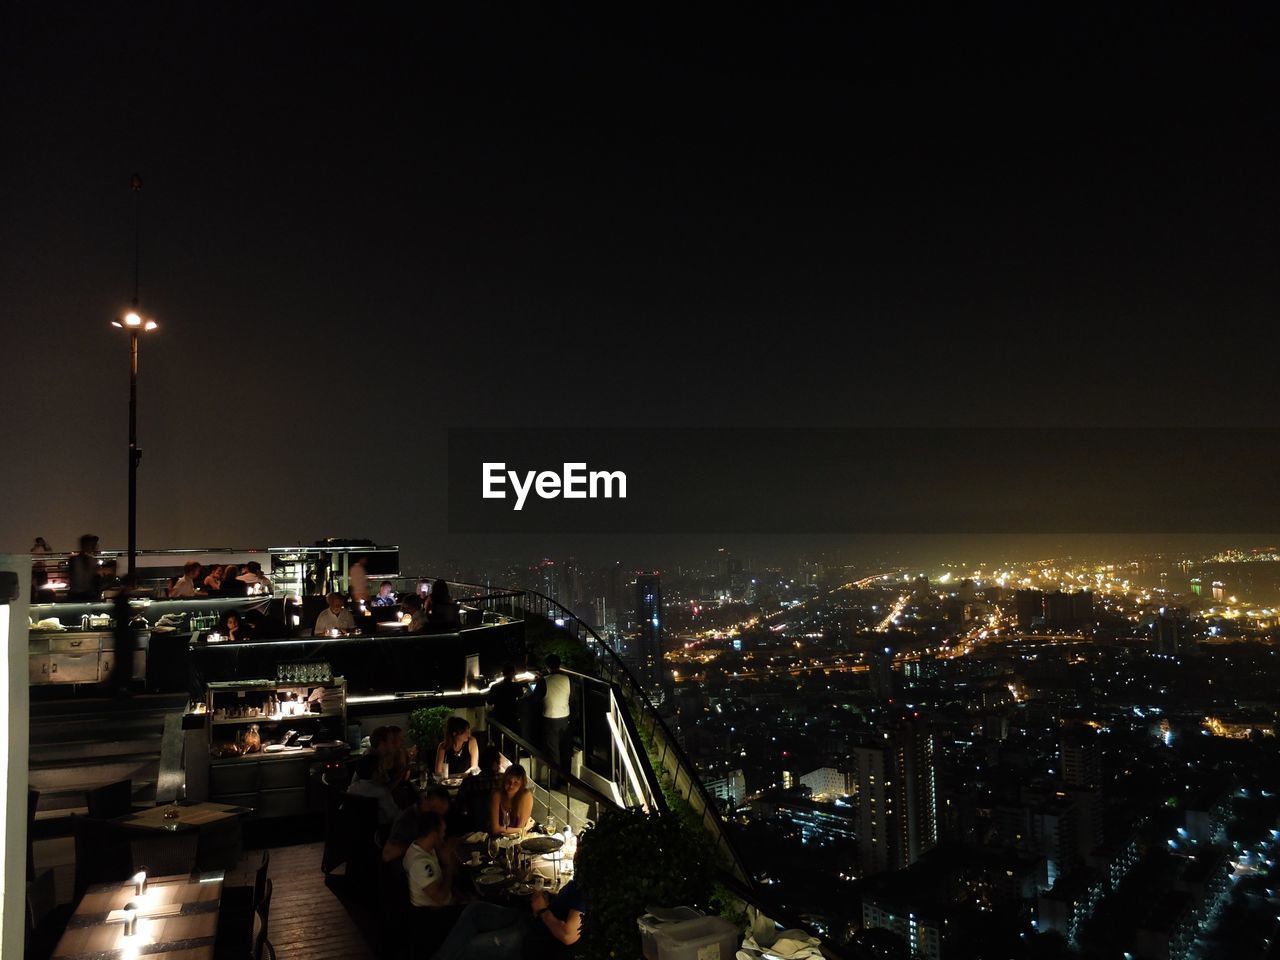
359 579
335 617
122 632
504 697
555 715
185 585
82 571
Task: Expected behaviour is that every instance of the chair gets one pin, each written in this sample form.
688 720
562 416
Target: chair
394 909
165 854
238 913
220 844
335 850
113 800
103 850
359 828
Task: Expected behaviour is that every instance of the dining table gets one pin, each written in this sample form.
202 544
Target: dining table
539 868
184 815
177 919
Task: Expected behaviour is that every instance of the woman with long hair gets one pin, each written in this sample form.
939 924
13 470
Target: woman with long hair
511 804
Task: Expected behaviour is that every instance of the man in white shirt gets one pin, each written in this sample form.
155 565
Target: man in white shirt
336 617
555 714
430 875
254 579
185 586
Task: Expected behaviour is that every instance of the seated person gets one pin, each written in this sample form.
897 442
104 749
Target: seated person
488 930
430 876
371 781
409 825
386 596
412 605
511 805
232 586
185 585
457 754
442 612
336 617
472 805
231 628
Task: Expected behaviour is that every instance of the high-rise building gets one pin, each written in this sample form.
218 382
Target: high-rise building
880 675
1171 631
648 649
1081 758
897 797
1029 605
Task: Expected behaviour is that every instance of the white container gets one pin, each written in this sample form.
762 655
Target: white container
697 938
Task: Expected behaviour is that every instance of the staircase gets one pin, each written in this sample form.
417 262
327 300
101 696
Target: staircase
77 745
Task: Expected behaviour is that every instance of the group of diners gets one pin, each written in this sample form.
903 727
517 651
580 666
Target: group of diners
422 834
228 580
428 609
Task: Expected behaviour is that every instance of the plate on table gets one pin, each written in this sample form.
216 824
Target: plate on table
451 782
542 844
521 889
487 879
273 748
478 837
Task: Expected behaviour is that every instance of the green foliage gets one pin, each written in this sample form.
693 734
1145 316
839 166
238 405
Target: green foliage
630 861
542 637
426 729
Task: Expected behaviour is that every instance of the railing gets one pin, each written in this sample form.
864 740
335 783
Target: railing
665 749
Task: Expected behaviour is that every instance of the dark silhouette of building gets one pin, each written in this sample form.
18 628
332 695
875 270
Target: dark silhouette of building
897 796
648 649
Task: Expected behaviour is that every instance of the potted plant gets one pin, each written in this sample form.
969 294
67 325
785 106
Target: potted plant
426 729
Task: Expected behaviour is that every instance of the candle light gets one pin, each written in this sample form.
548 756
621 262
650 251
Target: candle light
130 919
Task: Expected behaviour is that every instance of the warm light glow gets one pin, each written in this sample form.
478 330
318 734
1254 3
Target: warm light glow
151 325
132 320
117 324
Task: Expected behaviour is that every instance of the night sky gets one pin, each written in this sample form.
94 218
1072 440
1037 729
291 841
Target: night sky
363 224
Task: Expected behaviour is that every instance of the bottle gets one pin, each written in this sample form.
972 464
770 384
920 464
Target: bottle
570 843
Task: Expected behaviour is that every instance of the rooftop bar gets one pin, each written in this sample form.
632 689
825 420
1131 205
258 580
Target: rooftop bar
277 720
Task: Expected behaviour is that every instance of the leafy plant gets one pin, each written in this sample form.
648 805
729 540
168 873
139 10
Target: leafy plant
630 861
426 728
542 637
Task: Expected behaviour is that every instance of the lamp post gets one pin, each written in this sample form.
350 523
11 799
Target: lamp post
133 324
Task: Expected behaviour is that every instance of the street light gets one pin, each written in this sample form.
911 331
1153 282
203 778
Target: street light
135 324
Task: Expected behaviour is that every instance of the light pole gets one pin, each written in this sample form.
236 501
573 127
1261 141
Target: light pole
133 324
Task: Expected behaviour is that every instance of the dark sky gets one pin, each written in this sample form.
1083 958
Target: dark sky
364 223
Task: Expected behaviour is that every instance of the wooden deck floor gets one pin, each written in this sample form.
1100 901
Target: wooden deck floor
311 919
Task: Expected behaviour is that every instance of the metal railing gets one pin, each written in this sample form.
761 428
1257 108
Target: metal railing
662 745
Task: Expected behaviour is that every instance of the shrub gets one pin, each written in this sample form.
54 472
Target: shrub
630 861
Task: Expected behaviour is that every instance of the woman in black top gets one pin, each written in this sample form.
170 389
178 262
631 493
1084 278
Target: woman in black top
457 752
